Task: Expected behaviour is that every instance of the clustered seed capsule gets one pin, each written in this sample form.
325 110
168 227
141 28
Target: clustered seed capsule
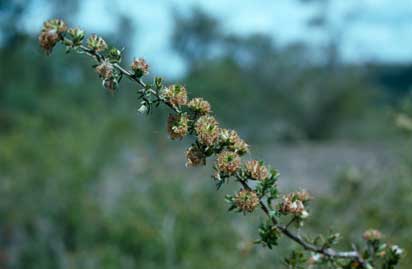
176 95
233 141
195 157
178 126
372 235
140 67
96 43
246 200
291 204
105 69
207 129
256 170
51 33
227 162
200 106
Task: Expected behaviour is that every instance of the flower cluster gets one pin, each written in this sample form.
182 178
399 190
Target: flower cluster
227 162
195 156
256 170
372 235
51 33
246 200
140 67
233 141
76 36
207 130
96 43
193 118
293 203
105 69
200 106
176 95
178 126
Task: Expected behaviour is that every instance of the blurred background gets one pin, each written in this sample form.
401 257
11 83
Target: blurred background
317 88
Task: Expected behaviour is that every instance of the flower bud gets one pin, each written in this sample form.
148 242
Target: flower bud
48 39
55 24
292 205
140 67
246 200
227 162
372 235
207 130
256 170
115 55
200 106
176 95
77 35
96 43
178 126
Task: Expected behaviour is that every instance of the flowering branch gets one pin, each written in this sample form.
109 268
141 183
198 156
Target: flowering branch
195 118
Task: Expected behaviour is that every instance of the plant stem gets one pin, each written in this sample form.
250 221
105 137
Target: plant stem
327 252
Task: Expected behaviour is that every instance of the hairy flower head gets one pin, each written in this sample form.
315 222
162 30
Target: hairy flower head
256 170
195 156
200 106
105 69
227 162
96 43
140 67
176 95
233 141
246 200
77 35
178 126
207 129
292 205
56 24
51 33
372 235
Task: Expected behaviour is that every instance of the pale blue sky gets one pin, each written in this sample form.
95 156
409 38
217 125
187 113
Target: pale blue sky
382 30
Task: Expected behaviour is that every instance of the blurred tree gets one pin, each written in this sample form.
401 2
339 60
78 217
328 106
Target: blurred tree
195 36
